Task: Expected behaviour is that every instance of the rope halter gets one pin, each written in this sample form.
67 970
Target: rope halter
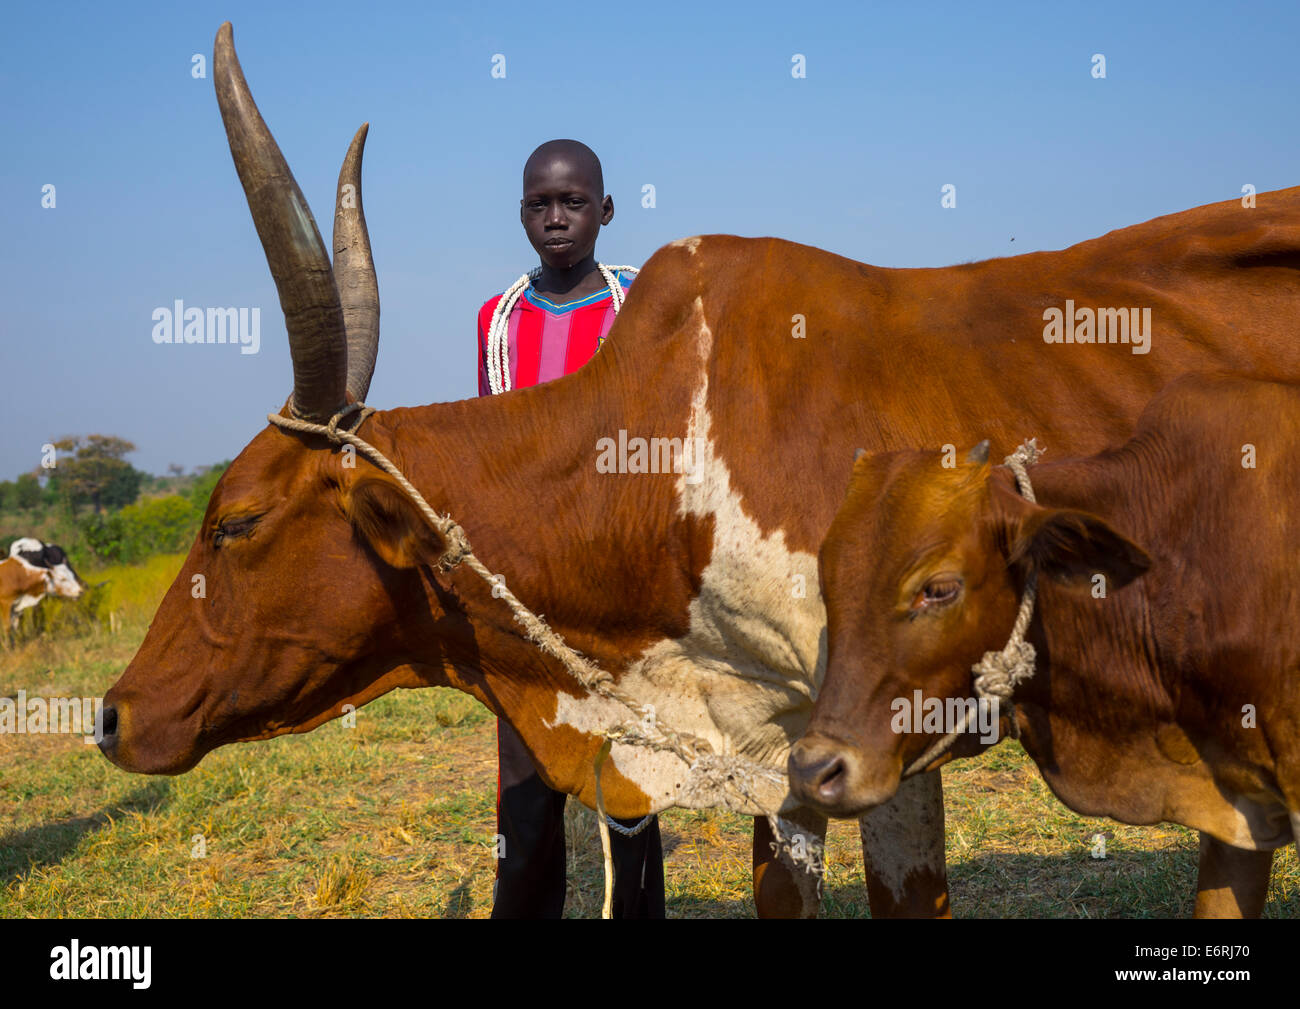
336 431
999 673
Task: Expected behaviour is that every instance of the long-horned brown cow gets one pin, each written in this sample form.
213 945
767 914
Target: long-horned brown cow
1166 625
696 590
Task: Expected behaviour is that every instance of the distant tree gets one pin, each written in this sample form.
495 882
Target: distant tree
27 492
122 488
92 470
202 489
50 494
175 469
8 496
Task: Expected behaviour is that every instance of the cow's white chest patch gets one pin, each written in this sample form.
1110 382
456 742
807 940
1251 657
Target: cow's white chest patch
746 673
26 602
39 577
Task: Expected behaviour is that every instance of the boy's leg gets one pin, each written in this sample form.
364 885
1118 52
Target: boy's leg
638 871
530 817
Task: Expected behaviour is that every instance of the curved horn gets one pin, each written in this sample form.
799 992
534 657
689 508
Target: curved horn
294 250
354 272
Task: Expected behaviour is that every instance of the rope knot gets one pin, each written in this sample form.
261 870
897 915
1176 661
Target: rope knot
999 673
1018 462
332 428
1027 454
457 546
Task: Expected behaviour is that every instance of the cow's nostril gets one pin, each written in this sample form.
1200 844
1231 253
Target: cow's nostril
818 773
108 726
828 779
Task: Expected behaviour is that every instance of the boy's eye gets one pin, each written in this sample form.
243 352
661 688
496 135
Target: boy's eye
937 592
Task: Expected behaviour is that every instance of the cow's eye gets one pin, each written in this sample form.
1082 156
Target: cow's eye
236 527
937 592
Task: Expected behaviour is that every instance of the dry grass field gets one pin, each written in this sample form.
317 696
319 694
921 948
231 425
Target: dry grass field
394 818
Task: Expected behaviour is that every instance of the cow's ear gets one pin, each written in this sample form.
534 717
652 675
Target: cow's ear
1071 545
388 520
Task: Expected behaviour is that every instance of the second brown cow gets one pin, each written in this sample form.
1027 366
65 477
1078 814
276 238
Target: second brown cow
1167 624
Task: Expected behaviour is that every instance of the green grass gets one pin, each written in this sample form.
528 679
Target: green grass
395 818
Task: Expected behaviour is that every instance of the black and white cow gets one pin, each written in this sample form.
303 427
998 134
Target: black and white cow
37 569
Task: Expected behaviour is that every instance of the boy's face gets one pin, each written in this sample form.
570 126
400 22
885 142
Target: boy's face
562 211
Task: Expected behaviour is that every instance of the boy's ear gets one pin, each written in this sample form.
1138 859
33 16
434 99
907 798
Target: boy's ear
1067 544
388 520
607 210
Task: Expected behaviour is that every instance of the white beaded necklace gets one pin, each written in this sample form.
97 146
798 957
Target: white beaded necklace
498 365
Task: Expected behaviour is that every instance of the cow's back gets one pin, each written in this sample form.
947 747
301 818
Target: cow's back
819 355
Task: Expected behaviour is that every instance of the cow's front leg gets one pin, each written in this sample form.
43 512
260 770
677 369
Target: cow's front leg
781 888
902 848
1232 882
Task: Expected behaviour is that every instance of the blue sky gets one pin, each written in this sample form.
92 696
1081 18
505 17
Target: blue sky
696 99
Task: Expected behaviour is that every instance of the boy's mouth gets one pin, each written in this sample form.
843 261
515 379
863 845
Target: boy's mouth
558 243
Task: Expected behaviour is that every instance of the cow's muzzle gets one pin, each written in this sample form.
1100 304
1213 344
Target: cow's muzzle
830 776
161 749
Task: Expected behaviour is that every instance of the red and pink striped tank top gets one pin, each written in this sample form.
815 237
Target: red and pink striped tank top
546 341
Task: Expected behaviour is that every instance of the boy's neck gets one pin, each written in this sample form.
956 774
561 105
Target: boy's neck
577 281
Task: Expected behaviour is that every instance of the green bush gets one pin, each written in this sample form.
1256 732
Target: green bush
105 536
159 525
162 525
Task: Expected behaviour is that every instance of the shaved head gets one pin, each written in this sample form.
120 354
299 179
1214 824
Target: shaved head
573 155
564 206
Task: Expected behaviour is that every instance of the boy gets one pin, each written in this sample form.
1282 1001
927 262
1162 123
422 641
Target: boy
549 324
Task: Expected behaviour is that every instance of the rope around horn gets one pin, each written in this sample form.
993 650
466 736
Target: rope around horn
999 673
733 774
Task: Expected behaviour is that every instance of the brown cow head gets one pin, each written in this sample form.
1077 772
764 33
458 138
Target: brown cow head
922 572
288 603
